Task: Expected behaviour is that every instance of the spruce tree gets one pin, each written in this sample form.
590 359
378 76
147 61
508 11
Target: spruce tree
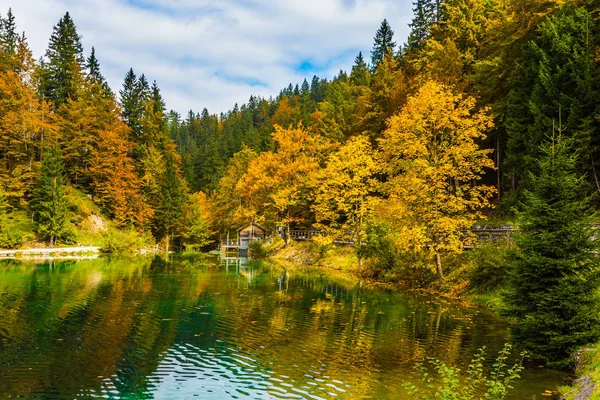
383 42
170 204
554 280
360 72
48 201
93 69
424 15
8 33
131 103
64 63
558 82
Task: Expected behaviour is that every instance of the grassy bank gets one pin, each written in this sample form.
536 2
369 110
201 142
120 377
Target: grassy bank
86 225
588 372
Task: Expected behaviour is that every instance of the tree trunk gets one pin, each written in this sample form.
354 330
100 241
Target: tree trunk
358 243
287 234
167 245
438 261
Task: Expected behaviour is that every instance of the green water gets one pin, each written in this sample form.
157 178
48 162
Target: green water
196 328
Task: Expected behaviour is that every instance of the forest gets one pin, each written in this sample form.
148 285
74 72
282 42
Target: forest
401 155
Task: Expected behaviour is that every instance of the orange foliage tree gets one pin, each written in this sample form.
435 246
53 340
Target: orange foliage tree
115 183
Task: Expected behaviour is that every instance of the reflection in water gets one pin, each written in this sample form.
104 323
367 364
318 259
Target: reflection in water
142 328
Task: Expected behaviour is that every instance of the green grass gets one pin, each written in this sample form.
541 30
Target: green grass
589 366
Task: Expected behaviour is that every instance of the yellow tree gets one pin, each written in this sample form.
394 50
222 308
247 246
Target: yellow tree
345 191
433 162
227 206
277 184
195 222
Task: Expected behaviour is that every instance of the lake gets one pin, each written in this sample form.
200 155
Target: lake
142 328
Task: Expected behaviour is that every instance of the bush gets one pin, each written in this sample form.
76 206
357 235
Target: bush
257 250
127 241
475 384
380 249
68 236
11 239
489 266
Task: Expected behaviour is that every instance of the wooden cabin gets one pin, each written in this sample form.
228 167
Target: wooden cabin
245 235
250 233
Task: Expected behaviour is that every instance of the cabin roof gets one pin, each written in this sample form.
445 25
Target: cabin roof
253 224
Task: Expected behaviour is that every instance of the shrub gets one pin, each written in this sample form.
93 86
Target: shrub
127 241
489 266
380 249
68 236
11 239
257 250
447 383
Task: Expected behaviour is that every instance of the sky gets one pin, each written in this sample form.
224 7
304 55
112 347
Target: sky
215 53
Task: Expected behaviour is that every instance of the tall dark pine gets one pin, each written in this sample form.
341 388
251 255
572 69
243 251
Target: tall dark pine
64 63
49 197
554 281
558 82
360 72
132 104
93 69
8 33
158 103
383 42
144 87
170 205
425 14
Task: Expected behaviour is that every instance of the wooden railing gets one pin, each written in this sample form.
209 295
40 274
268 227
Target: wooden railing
305 234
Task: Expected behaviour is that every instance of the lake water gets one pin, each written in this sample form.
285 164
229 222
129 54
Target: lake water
201 328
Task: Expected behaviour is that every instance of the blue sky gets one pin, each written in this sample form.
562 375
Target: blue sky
214 53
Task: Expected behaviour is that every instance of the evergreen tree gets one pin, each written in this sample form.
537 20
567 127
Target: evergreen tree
360 72
555 276
144 87
170 205
158 104
8 33
305 88
93 68
49 197
558 83
64 63
131 103
383 42
424 16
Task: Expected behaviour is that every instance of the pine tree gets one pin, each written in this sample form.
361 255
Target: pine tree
424 16
170 206
131 103
8 33
383 42
555 276
64 65
49 197
558 83
93 69
360 72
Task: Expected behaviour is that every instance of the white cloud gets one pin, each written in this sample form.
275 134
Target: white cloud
208 53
